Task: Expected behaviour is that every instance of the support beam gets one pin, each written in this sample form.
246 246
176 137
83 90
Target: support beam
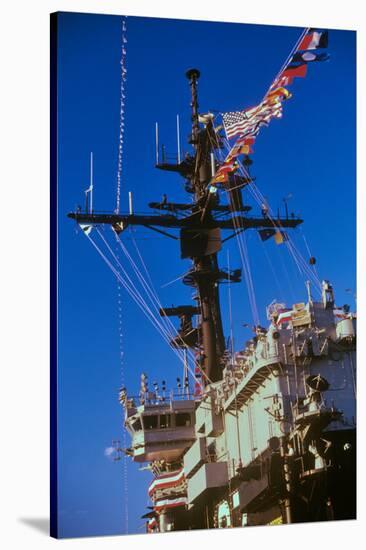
235 223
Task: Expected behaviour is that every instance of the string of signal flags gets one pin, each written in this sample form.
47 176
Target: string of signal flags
245 125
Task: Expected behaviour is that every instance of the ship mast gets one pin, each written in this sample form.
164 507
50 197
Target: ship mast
200 237
205 265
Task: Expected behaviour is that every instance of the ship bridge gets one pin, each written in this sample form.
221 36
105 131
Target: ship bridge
161 430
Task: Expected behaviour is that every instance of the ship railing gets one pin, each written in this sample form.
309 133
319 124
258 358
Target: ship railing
123 213
152 398
169 158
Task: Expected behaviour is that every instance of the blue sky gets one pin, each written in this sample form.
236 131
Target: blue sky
309 153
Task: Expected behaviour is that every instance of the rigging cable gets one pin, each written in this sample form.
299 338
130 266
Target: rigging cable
243 251
137 297
308 251
151 292
119 293
230 306
288 58
170 325
245 259
132 291
303 268
270 263
135 292
300 262
294 252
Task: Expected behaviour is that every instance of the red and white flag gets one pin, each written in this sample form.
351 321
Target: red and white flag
314 39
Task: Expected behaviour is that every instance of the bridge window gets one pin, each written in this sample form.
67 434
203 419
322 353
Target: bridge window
165 421
183 419
150 422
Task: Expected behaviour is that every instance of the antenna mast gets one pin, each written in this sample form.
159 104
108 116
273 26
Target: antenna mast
200 235
91 182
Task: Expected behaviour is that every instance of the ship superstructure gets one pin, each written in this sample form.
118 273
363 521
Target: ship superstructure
268 433
272 442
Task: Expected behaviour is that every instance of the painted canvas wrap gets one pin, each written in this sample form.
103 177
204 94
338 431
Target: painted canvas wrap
203 367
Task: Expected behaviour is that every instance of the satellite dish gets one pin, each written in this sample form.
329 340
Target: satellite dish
317 383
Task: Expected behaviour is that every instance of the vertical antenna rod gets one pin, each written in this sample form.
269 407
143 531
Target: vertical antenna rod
213 167
178 139
130 203
157 143
91 183
89 191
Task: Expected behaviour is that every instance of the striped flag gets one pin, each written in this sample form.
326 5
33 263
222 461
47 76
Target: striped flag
235 122
237 150
248 122
314 39
282 81
229 167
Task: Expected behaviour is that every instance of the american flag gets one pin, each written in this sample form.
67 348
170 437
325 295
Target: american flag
249 121
236 122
